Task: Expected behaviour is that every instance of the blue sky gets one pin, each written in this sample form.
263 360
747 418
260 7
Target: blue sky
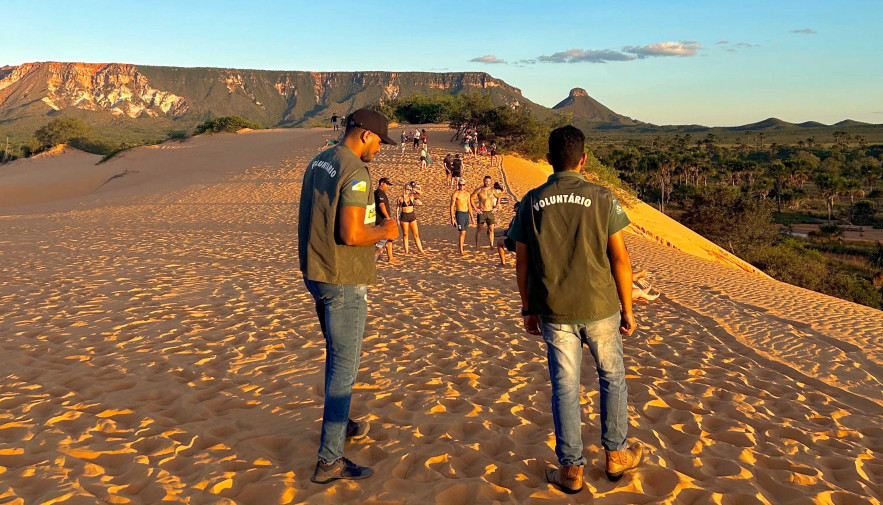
659 62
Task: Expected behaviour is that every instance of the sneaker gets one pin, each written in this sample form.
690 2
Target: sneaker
620 461
356 429
567 478
340 469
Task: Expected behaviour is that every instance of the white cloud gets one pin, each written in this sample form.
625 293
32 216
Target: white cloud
586 56
488 58
687 48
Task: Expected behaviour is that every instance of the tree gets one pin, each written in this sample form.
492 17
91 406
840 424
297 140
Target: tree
730 218
877 256
830 185
779 173
61 131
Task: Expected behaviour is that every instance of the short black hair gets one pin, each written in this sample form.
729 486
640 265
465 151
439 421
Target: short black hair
566 146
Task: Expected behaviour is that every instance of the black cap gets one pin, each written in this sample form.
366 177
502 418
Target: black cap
383 180
372 121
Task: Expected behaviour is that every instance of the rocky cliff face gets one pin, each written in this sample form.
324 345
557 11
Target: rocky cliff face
118 89
126 101
171 92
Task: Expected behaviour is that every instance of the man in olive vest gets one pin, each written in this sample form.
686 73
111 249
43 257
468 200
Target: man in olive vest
575 279
336 237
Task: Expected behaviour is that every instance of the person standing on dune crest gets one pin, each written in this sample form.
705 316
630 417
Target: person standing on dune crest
575 280
336 237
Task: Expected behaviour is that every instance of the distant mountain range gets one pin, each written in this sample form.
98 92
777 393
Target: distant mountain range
130 102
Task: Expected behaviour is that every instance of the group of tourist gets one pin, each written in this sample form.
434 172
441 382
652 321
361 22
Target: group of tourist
572 269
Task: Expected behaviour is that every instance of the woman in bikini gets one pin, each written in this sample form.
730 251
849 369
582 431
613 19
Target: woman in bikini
407 204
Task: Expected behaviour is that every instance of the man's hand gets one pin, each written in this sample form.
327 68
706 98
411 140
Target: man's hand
627 324
532 324
390 229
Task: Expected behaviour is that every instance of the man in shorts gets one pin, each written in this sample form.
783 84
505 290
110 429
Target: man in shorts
460 215
484 209
456 170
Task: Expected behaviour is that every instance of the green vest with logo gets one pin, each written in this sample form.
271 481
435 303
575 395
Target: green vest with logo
566 223
335 178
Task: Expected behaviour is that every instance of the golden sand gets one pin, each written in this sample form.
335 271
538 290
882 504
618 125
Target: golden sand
160 347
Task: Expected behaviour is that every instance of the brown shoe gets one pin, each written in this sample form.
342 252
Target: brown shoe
620 461
567 478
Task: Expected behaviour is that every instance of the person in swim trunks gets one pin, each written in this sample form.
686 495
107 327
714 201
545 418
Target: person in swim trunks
407 204
484 210
460 215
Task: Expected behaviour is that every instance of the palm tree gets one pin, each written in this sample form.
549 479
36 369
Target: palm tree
830 185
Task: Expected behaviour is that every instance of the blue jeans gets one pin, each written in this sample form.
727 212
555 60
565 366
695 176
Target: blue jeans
342 311
564 343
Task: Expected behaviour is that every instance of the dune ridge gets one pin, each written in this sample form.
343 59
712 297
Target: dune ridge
161 348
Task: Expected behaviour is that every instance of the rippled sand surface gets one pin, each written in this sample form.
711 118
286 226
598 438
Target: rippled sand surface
160 347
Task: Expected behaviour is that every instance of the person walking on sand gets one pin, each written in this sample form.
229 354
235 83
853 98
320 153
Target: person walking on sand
334 121
460 215
504 243
381 200
484 210
336 237
404 142
447 163
422 161
407 204
456 171
416 138
574 276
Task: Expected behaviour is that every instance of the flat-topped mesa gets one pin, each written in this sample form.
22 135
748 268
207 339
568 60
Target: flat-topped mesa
190 95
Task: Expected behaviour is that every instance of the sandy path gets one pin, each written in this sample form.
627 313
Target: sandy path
161 348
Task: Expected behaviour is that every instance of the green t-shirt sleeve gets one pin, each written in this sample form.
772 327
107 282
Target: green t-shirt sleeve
618 218
522 216
354 189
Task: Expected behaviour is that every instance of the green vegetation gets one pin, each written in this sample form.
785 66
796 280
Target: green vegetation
513 129
229 124
745 197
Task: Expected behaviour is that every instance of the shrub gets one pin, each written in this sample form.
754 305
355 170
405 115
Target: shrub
178 135
854 288
229 124
95 145
790 262
827 231
863 212
61 131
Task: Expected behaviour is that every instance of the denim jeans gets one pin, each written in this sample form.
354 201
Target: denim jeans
342 311
564 343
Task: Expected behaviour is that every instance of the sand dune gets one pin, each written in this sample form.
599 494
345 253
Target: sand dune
161 348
